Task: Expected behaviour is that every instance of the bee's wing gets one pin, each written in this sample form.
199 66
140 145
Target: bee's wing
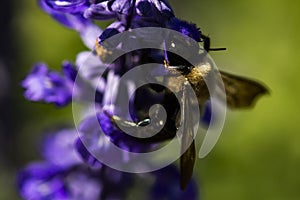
187 162
188 151
241 92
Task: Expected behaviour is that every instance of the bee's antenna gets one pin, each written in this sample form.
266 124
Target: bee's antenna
206 44
217 49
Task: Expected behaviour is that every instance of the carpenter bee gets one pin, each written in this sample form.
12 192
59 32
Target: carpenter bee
240 92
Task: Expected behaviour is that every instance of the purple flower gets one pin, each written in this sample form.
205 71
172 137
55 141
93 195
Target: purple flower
39 181
49 86
143 13
68 13
111 9
42 180
151 14
93 68
185 28
68 6
70 169
96 138
166 186
123 9
131 14
59 148
86 156
64 176
111 30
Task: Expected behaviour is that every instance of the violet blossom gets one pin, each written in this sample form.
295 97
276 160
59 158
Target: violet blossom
68 170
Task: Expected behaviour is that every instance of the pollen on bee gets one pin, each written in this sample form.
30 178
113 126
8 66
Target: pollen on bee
166 64
203 69
101 51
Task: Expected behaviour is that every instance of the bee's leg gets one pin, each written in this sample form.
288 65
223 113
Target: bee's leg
164 134
117 120
206 44
188 150
144 122
121 122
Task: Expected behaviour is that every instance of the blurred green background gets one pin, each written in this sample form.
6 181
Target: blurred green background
258 154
